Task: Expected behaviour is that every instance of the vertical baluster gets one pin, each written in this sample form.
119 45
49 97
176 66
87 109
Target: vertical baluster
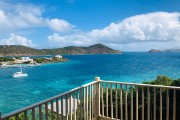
25 115
126 109
102 100
70 106
90 102
148 104
67 107
121 102
154 103
160 103
46 110
84 103
52 110
62 106
57 109
98 96
167 104
111 102
116 102
33 114
87 103
143 103
40 112
74 105
107 100
137 102
174 105
17 117
78 104
81 100
131 103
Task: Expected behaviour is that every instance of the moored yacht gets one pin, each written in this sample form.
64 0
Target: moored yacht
20 74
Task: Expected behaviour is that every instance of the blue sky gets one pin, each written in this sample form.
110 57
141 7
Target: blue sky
128 25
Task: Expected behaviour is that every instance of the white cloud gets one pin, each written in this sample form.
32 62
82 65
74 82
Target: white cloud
76 39
152 27
59 25
20 16
157 26
17 40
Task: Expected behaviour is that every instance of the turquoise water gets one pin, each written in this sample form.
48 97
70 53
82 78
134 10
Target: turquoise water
52 79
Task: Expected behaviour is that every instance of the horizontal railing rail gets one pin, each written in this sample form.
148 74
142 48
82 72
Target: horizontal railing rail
139 84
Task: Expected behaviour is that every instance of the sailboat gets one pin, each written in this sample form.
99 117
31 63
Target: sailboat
20 74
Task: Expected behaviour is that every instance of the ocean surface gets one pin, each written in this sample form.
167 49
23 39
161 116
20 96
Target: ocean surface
55 78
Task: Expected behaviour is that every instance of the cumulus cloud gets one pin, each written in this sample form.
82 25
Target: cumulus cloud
24 16
59 25
151 27
20 16
17 40
76 39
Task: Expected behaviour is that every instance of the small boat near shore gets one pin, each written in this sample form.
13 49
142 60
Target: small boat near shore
5 65
19 74
34 64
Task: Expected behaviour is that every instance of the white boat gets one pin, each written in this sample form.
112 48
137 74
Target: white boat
33 64
5 65
20 74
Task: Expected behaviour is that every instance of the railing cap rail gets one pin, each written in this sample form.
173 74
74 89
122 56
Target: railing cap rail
143 85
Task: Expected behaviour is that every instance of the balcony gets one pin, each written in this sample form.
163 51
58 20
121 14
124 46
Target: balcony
106 100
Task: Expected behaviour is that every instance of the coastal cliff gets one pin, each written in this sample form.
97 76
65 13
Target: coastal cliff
19 50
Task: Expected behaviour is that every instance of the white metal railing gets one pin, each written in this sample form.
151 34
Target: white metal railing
131 101
75 104
105 100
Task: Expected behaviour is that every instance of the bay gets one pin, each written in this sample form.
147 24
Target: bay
55 78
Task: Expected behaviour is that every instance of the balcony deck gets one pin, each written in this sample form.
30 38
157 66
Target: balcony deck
106 100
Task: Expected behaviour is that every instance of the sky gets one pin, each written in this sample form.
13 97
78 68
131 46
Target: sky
128 25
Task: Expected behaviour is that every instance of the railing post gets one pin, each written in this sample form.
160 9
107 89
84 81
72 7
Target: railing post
0 115
97 99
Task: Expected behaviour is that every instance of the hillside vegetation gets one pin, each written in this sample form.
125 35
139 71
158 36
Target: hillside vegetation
19 50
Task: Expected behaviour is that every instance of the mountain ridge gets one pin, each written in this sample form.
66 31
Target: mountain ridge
19 50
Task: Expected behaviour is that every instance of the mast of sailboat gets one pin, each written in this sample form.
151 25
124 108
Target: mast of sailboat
21 68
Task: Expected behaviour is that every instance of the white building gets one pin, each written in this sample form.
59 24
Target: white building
23 59
58 56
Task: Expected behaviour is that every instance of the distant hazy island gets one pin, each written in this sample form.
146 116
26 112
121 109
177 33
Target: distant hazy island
172 50
19 50
154 50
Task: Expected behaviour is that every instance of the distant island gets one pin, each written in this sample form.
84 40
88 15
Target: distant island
19 50
172 50
154 50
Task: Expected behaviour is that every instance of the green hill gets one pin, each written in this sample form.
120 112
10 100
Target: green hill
19 50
